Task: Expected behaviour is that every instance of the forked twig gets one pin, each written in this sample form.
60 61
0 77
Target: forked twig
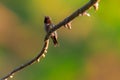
81 10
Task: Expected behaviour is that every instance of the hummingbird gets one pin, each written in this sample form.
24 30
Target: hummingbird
48 25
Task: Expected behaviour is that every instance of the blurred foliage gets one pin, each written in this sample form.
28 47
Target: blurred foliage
90 51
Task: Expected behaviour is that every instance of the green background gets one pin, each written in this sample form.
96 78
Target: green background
90 51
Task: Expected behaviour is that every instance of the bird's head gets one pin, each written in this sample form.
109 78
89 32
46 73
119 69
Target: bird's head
47 20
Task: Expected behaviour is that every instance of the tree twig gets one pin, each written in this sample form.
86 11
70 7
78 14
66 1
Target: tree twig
46 40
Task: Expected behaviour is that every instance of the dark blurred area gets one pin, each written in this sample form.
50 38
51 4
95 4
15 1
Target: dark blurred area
90 51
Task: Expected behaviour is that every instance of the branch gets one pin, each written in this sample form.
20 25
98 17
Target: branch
81 11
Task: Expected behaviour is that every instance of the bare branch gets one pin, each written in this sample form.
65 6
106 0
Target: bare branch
73 16
43 51
46 40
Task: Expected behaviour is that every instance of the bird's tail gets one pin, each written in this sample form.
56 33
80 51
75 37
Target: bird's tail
54 39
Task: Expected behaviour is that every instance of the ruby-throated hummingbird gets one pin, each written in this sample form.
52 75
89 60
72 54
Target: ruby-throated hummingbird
48 25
